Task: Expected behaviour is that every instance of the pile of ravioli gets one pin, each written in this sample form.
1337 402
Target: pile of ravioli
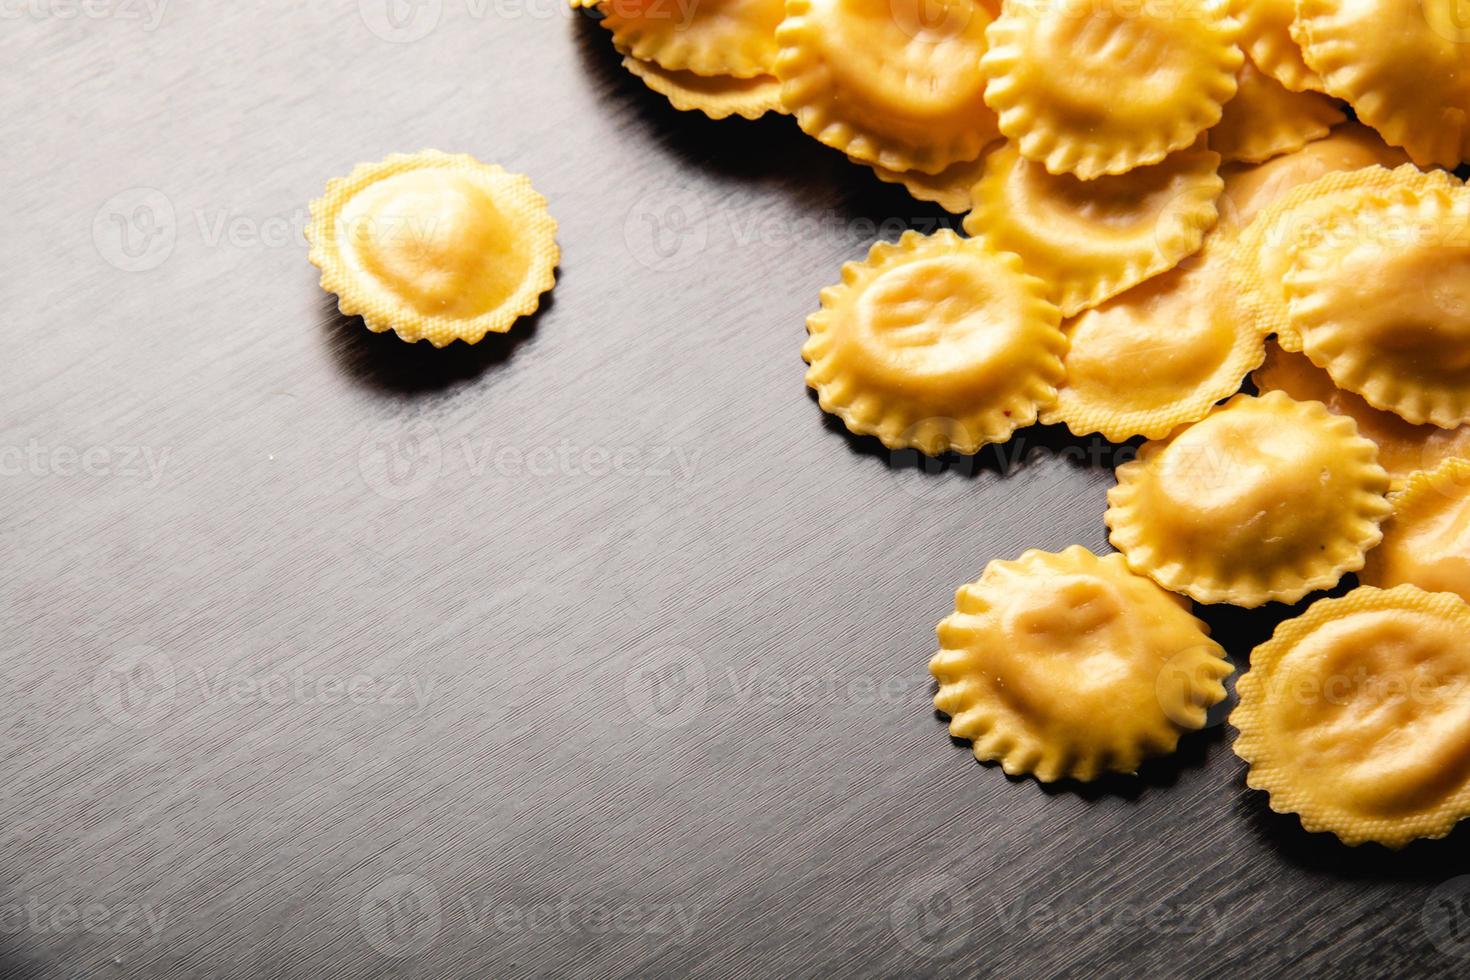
1152 192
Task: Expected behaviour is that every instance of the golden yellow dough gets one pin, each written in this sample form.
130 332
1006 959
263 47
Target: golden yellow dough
1263 253
434 246
1265 34
891 82
1184 345
1089 240
708 37
1403 449
1427 540
1356 716
950 189
717 96
1266 119
1089 89
1382 301
1265 499
1404 65
1069 666
935 343
1249 188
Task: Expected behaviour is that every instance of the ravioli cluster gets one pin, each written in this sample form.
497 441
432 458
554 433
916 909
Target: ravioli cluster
1151 193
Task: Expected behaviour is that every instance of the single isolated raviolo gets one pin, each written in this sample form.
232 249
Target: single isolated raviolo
1403 448
1382 301
1265 499
1404 65
1266 119
717 96
1264 251
1355 716
1094 88
434 246
1250 188
935 343
891 82
1159 355
1069 666
709 37
1093 239
1427 541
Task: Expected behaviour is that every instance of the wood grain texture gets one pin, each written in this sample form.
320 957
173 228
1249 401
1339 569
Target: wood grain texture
593 651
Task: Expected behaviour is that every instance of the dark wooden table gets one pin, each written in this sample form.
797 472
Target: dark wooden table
595 650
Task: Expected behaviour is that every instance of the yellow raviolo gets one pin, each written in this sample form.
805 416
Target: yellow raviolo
1404 65
1071 666
1264 252
1427 541
1266 119
1159 355
891 82
1403 449
1091 89
935 343
1382 301
1266 499
736 38
1250 188
717 96
950 188
434 246
1265 34
1090 240
1356 716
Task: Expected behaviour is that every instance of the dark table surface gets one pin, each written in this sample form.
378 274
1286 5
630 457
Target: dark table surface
595 650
